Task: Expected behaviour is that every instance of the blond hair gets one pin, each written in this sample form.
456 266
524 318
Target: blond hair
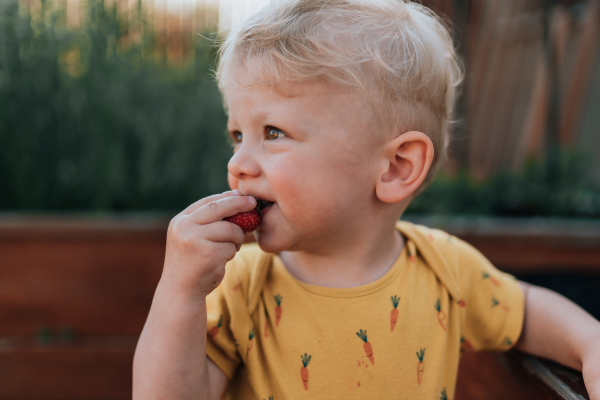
400 53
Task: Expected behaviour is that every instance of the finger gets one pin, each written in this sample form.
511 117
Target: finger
225 207
196 205
223 231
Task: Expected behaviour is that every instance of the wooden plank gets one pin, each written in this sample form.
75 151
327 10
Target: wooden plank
78 283
517 256
516 376
93 369
480 376
544 379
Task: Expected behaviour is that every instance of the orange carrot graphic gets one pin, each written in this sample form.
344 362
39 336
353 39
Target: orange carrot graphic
367 346
250 341
237 287
215 329
278 310
441 316
499 304
304 370
411 256
494 281
420 365
394 313
462 303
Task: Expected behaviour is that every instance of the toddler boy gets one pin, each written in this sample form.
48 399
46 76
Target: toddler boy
339 113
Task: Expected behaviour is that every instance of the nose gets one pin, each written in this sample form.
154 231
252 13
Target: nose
243 165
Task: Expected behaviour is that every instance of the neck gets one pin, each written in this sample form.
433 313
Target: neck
355 262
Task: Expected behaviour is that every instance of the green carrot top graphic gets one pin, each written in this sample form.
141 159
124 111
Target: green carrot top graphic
362 335
305 359
421 354
395 301
444 395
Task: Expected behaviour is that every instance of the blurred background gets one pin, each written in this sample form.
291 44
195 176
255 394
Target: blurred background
111 123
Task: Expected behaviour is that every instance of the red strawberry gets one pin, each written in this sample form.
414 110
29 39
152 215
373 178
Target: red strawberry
248 221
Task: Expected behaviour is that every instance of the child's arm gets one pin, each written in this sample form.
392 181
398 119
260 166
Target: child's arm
558 329
170 359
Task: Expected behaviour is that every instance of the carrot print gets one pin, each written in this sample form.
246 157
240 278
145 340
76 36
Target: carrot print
266 327
394 313
462 303
444 396
466 344
420 365
304 370
278 310
441 316
499 304
237 287
250 341
507 341
367 346
494 281
215 329
411 256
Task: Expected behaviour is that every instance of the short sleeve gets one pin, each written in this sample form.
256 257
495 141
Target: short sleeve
491 304
227 318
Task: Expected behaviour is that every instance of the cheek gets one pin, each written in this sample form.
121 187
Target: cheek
310 190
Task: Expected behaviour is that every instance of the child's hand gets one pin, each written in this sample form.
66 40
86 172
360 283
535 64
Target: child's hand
558 329
199 243
591 371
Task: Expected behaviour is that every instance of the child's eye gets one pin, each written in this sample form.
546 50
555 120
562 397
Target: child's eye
237 137
274 133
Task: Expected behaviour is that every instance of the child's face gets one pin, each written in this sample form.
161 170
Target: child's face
314 152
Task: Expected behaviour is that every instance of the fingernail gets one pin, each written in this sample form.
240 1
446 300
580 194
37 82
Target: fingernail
250 199
236 192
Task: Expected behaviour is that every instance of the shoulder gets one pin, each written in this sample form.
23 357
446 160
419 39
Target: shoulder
450 258
448 246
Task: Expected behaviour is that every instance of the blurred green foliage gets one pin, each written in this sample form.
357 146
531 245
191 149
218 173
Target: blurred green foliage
86 124
560 185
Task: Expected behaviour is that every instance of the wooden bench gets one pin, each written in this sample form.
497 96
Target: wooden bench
75 293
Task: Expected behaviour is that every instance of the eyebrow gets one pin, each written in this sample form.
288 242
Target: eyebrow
261 116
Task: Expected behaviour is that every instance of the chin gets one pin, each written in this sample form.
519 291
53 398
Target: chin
269 244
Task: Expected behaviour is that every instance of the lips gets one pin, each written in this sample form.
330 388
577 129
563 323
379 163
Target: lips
262 204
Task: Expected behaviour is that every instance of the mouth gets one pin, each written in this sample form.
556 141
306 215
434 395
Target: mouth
263 204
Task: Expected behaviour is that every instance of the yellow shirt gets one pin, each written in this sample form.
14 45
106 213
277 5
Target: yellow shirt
399 337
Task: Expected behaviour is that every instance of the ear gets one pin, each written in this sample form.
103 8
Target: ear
407 159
